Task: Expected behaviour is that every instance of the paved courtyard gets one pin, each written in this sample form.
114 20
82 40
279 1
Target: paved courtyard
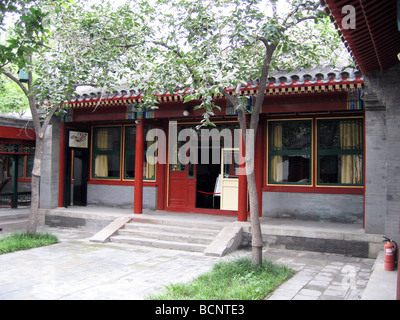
79 269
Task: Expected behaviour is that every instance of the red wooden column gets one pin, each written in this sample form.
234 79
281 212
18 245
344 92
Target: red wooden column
138 198
242 202
61 169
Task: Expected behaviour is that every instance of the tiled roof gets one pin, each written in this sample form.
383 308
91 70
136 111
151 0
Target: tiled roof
297 80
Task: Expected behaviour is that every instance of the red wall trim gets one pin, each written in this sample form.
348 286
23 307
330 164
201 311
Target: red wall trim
122 182
319 189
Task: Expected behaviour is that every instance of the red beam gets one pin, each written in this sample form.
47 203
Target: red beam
17 133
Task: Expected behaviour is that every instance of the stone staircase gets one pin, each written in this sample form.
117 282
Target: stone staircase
176 235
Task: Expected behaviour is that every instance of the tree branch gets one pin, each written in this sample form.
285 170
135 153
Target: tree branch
191 71
263 84
19 83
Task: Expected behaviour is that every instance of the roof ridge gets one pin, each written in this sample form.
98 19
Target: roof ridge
323 75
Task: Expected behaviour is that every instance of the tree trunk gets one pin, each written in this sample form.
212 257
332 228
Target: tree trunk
35 185
249 137
256 241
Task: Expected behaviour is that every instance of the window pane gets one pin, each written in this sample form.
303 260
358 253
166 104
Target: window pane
340 151
290 152
106 152
178 166
149 168
175 164
29 167
130 148
130 166
340 134
231 165
341 169
290 169
130 138
21 164
351 167
108 139
106 166
113 165
290 135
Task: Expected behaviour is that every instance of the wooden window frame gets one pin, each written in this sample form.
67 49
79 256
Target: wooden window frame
337 152
95 152
271 154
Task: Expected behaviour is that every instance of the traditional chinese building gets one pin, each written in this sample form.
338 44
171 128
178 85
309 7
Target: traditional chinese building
309 155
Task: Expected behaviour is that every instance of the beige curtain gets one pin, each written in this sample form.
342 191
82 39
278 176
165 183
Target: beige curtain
351 138
277 161
150 168
101 161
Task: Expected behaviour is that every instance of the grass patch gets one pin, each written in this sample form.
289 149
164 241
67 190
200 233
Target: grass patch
24 241
234 280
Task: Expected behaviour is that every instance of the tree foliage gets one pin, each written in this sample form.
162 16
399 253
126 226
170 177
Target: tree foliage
12 99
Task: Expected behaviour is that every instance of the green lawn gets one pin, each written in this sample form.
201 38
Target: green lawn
235 280
23 241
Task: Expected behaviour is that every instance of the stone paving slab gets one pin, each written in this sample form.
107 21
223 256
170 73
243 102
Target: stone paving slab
79 269
322 276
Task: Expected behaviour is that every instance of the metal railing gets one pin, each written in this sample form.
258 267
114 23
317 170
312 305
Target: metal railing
6 199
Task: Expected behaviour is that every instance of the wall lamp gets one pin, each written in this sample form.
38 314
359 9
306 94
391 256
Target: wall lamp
187 110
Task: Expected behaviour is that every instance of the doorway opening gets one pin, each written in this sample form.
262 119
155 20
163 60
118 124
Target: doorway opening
208 195
76 172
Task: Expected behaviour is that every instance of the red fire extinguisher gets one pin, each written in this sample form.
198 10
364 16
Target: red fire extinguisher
390 254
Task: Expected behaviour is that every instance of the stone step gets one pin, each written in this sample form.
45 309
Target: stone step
178 223
166 236
171 228
13 216
174 245
14 225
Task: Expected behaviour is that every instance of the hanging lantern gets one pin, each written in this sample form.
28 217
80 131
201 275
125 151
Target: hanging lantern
23 76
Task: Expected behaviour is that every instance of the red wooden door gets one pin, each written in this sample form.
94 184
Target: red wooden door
181 176
182 187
